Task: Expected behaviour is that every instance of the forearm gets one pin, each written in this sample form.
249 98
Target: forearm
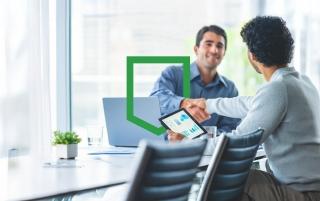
168 101
236 107
167 89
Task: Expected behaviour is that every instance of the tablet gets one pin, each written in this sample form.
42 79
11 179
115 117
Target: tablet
182 122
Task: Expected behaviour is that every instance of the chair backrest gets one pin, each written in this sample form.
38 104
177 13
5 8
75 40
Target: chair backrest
212 167
227 173
165 171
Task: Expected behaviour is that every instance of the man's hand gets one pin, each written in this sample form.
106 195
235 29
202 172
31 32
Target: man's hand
200 102
197 108
174 137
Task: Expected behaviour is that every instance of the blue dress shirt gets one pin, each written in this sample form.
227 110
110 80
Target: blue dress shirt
169 90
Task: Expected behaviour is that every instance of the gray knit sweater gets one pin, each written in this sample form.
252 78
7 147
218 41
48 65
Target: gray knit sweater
288 108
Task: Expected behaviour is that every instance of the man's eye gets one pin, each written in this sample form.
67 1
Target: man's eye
219 46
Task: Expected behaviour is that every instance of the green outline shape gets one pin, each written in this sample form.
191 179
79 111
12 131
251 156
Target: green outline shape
131 60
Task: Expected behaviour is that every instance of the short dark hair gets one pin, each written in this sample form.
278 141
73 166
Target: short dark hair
212 28
269 39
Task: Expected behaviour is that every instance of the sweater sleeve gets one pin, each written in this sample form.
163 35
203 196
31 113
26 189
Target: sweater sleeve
236 107
266 109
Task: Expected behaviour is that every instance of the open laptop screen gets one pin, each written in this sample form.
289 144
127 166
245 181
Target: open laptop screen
122 132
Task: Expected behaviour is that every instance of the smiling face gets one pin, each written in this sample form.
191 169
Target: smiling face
210 51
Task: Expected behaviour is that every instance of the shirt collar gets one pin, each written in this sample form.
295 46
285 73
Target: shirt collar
194 73
280 72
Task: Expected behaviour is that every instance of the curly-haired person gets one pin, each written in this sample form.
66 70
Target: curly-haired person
287 107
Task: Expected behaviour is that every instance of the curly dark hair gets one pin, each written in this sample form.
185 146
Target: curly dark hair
268 38
212 28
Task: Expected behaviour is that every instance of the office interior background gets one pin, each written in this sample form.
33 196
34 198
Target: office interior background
58 59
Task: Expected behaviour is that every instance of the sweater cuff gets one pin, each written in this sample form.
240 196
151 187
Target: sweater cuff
211 105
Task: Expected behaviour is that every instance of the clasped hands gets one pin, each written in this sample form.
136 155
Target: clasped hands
197 108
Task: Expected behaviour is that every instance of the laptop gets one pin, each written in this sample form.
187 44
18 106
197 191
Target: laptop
122 132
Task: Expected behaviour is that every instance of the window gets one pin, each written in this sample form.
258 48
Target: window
25 117
105 32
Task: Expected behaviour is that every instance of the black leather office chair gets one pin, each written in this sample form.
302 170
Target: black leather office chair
229 167
165 171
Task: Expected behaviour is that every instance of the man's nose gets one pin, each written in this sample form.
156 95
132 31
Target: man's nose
213 49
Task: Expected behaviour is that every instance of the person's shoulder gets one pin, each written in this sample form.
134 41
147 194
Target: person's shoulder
228 82
173 70
273 94
274 88
275 85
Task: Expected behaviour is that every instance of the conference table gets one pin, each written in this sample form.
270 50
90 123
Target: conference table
26 178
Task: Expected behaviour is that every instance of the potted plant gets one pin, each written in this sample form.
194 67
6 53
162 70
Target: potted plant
66 143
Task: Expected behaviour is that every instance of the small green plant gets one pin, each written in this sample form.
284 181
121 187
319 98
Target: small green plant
68 137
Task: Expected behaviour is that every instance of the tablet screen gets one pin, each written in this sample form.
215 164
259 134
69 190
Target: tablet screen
182 122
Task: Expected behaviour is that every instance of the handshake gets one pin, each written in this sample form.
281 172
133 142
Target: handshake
197 108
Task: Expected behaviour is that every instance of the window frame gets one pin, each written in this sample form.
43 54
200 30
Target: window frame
63 66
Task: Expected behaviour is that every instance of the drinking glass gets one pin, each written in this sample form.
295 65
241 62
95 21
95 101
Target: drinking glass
94 134
210 136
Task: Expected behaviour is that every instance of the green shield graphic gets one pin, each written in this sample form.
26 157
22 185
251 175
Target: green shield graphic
131 60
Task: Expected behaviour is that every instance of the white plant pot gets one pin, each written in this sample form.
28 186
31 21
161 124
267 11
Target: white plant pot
67 151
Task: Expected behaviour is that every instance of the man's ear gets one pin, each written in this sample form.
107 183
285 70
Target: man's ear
252 56
195 49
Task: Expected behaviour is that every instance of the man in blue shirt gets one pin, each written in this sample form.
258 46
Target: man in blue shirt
205 82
